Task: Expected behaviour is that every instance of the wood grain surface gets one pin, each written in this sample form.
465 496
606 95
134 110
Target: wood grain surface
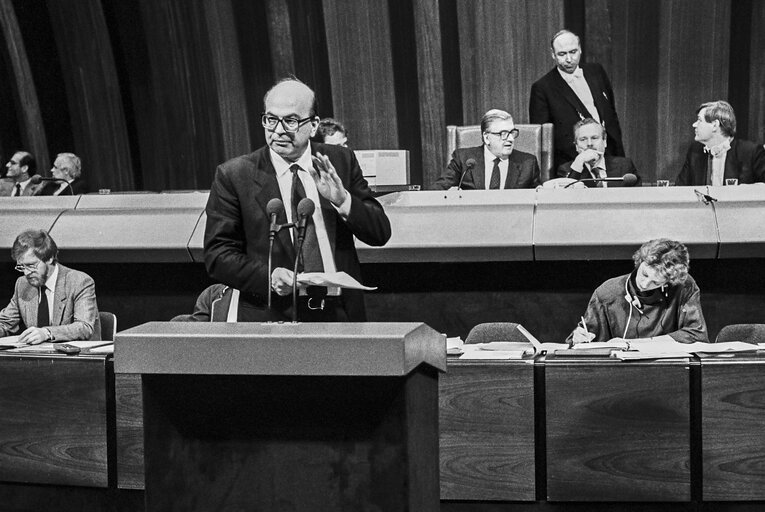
53 423
733 431
486 424
618 432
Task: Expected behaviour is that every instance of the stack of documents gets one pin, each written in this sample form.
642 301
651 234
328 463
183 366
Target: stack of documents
673 349
506 349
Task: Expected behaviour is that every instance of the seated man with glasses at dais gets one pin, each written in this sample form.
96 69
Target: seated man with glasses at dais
50 302
494 165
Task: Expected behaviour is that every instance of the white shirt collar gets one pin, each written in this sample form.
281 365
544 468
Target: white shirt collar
718 150
570 77
50 283
282 166
488 156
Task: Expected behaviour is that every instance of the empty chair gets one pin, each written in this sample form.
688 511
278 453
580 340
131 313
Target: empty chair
108 325
496 331
750 333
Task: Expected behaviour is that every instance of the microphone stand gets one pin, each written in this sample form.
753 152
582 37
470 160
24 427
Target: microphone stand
298 254
271 237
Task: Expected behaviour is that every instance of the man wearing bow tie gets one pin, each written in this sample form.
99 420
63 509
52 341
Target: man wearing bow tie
717 155
571 92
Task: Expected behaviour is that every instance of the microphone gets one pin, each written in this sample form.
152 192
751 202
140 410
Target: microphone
305 209
629 180
36 179
469 164
273 208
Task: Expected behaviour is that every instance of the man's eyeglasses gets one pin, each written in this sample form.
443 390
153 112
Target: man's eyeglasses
505 134
290 124
24 267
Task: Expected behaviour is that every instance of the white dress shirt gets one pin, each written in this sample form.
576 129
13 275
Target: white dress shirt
719 155
581 88
284 177
488 167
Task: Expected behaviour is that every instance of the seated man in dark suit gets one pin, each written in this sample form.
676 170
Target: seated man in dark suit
717 155
592 162
67 168
495 164
50 302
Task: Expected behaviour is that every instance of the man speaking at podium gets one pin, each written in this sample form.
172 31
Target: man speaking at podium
289 168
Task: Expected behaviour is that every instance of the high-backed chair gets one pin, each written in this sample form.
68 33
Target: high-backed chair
536 139
496 331
108 325
750 333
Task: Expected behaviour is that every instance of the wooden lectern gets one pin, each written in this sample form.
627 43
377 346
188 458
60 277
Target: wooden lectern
288 417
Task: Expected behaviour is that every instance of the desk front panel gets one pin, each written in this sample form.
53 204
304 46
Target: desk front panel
733 428
618 432
53 424
486 423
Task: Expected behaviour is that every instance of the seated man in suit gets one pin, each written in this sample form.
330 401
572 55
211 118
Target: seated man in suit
67 168
50 302
717 155
21 168
495 164
591 161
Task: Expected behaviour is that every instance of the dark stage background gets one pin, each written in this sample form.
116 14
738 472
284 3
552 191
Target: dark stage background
153 94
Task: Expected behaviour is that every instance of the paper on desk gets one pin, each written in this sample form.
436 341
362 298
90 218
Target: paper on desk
42 347
600 344
636 355
329 279
51 347
670 346
12 340
493 354
102 349
454 345
497 350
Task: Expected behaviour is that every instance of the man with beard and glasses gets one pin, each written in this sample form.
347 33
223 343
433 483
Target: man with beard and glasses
50 302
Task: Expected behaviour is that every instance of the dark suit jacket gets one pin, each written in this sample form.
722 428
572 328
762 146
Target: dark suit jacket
553 101
522 170
79 186
616 167
74 315
745 160
7 184
236 235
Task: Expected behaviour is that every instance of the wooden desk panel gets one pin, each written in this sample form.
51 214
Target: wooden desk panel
618 432
733 429
129 413
486 424
53 424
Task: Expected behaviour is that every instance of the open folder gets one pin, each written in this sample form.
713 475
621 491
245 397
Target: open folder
509 349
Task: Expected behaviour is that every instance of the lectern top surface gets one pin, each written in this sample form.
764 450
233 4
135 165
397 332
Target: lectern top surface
372 349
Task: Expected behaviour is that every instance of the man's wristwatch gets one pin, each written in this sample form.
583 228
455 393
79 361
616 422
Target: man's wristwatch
50 334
